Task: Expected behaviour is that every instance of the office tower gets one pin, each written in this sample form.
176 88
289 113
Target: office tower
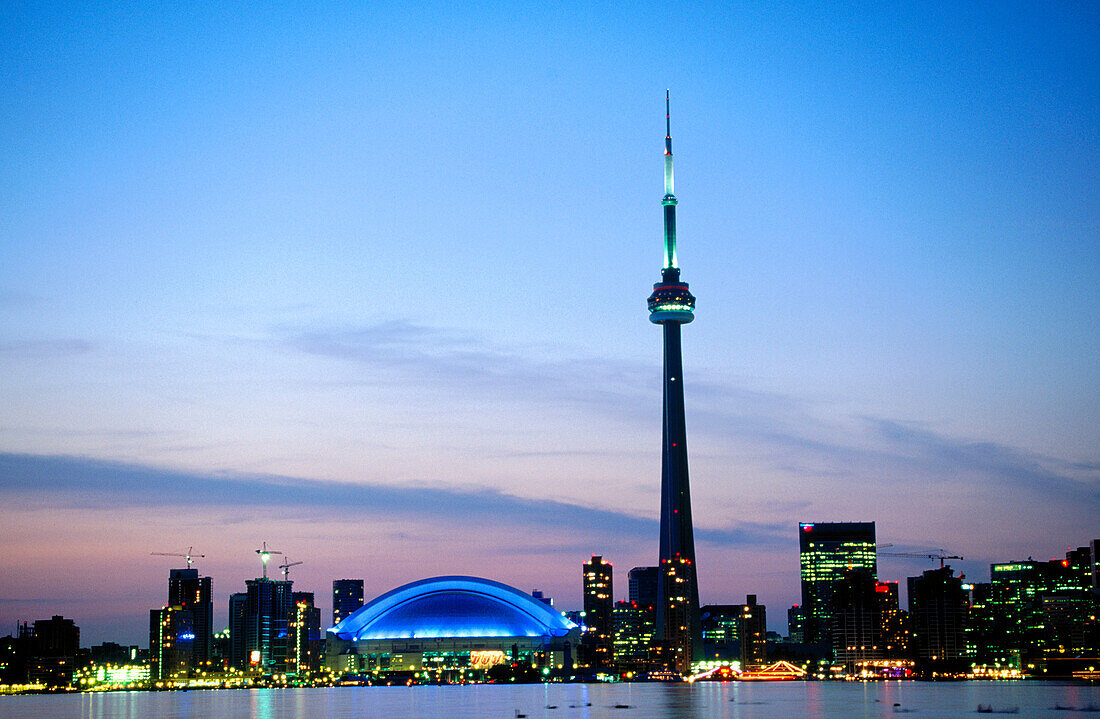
642 586
188 590
258 625
938 612
537 594
826 551
171 643
303 636
855 625
347 596
678 629
752 631
796 624
1040 617
632 631
597 612
720 625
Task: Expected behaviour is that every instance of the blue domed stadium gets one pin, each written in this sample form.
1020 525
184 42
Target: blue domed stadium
452 623
449 607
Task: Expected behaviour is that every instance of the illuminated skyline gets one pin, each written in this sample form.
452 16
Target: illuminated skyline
301 278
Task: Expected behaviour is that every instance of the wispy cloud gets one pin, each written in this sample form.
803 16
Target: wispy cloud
801 438
80 482
464 363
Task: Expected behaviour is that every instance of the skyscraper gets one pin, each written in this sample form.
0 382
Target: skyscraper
303 635
938 611
188 590
597 612
678 629
347 596
171 642
258 625
827 550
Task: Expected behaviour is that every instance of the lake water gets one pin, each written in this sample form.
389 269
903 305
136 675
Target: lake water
732 700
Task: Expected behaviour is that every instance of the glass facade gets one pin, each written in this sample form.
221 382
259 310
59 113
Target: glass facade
826 551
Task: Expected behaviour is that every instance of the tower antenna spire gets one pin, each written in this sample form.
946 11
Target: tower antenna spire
668 126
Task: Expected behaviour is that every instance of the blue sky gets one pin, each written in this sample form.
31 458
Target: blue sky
403 253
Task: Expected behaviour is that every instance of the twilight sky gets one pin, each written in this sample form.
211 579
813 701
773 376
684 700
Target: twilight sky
369 284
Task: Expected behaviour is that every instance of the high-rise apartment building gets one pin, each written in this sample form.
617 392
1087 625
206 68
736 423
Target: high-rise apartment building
892 621
171 643
597 612
186 589
826 551
303 636
347 597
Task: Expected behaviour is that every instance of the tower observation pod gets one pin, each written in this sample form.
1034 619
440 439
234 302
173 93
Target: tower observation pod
671 301
678 634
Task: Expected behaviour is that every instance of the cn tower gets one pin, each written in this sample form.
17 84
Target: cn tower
678 631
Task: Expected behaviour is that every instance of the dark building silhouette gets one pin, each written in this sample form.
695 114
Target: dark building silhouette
15 653
678 627
597 638
347 596
111 653
642 585
826 551
735 632
305 653
721 624
796 624
892 622
1094 548
752 632
171 643
855 627
55 647
258 625
188 590
938 614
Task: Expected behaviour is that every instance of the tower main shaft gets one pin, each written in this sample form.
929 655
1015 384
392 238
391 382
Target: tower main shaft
678 629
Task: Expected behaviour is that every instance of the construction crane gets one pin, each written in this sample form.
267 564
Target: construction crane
190 555
286 568
940 555
265 554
